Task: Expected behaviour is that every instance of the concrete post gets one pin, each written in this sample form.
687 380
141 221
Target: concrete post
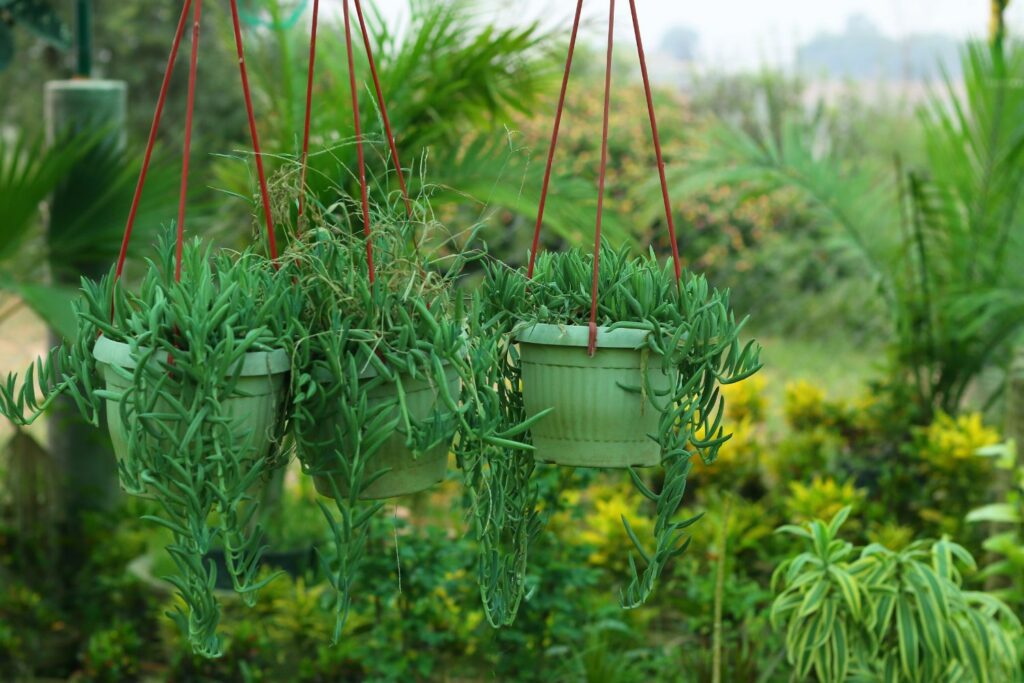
86 469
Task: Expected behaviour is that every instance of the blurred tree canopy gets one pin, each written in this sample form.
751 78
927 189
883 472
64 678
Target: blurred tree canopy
132 41
681 42
39 17
862 51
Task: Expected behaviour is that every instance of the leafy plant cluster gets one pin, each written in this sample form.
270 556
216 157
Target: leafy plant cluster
943 250
889 615
83 230
188 340
347 332
407 322
1006 542
575 563
693 335
360 335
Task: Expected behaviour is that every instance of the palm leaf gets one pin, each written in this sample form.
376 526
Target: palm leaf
29 172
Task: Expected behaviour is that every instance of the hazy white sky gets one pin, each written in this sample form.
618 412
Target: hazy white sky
742 33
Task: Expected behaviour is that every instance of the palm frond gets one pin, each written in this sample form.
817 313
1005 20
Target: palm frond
87 217
857 199
945 241
29 172
451 79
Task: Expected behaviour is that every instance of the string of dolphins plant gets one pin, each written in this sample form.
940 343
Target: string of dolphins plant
692 337
496 456
366 344
181 362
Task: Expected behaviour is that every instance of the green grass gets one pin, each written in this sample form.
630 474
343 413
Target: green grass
838 366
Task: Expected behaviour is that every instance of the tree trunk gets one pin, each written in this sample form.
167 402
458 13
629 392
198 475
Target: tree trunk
997 21
1014 419
1013 427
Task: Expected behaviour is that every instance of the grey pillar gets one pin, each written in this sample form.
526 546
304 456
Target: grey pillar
86 469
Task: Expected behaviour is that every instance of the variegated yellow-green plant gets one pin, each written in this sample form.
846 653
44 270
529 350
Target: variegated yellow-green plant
883 615
1006 521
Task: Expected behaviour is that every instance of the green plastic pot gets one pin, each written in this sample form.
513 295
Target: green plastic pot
599 416
407 472
253 410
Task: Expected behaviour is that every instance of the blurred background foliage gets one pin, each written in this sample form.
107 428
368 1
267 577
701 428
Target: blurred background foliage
874 241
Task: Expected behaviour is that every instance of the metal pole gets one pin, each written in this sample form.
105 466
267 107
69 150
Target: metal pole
83 22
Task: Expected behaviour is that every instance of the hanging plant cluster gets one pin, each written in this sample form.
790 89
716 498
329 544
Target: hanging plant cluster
385 378
360 355
193 372
648 396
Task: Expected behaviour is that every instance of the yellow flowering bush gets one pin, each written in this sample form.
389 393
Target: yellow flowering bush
799 453
892 535
747 524
451 617
865 410
603 529
954 479
805 405
745 401
739 458
821 499
949 442
741 450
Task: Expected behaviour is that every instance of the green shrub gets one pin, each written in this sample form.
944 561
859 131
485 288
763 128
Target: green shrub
889 615
112 655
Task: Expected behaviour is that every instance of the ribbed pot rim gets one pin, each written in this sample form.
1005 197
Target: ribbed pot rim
254 364
579 335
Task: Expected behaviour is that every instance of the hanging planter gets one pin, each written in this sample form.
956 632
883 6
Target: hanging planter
603 408
615 361
393 332
196 392
640 381
195 364
390 380
639 387
377 396
158 375
252 411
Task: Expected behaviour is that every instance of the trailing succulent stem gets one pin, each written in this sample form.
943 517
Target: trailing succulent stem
693 336
497 465
340 453
407 325
68 369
